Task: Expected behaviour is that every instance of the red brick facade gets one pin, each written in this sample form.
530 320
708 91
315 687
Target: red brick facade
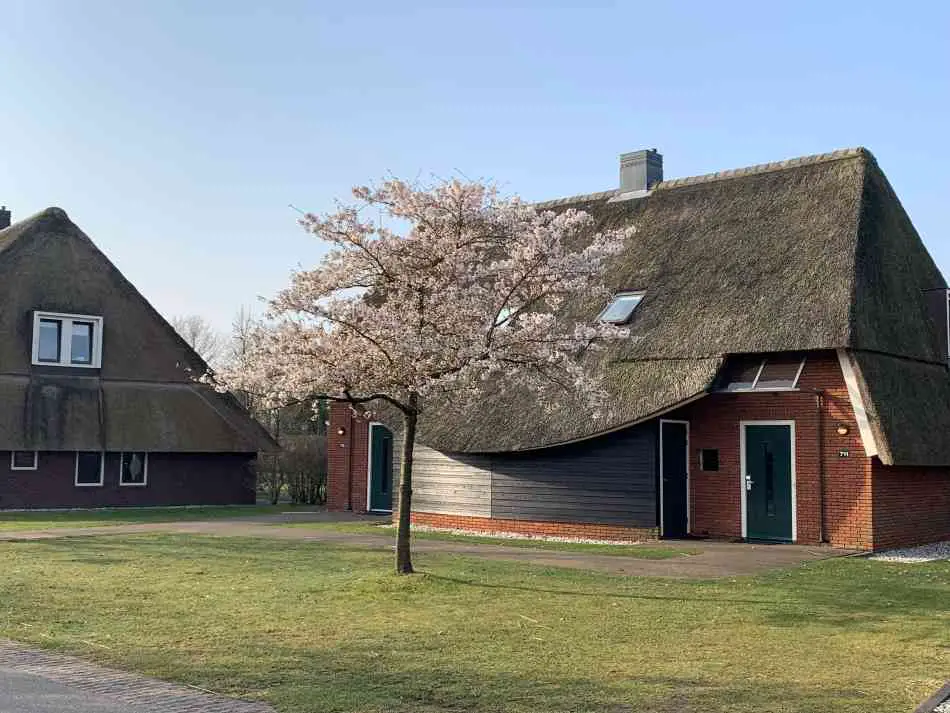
863 504
172 479
348 459
911 505
578 530
714 422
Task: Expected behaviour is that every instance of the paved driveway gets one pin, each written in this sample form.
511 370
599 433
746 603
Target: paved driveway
34 681
713 558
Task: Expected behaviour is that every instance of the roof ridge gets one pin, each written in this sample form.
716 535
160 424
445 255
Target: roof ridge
579 198
765 168
753 170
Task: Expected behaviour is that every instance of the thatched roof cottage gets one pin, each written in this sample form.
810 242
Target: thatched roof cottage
785 378
98 399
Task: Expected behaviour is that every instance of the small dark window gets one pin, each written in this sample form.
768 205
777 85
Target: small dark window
49 340
80 345
134 467
23 460
709 459
89 468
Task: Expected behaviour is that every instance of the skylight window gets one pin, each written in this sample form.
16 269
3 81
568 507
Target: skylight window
621 307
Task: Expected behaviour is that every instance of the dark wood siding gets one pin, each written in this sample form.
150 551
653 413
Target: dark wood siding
450 485
611 479
173 479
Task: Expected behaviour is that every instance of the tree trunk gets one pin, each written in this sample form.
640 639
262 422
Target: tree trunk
403 554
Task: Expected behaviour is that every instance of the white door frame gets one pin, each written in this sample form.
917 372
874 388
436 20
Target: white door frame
686 423
369 468
742 473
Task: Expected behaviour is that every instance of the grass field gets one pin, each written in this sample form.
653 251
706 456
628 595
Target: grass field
42 520
311 627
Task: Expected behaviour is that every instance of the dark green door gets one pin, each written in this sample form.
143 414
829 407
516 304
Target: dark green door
674 484
381 468
768 482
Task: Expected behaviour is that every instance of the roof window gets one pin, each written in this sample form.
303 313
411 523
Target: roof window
756 373
621 307
67 340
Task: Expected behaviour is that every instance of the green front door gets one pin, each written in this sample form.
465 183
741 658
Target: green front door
767 482
380 468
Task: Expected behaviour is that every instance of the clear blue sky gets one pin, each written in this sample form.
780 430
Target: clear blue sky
176 133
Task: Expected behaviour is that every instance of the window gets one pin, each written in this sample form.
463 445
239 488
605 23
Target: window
89 468
49 340
133 469
755 373
621 307
23 460
67 340
709 459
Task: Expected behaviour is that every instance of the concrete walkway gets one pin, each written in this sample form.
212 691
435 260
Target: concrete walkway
34 681
714 558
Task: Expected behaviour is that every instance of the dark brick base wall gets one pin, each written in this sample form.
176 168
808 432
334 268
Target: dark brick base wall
173 479
911 505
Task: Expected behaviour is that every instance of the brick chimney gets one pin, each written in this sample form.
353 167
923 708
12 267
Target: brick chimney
4 217
640 170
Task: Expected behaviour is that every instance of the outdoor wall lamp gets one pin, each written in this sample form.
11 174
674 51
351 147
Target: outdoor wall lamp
842 429
341 431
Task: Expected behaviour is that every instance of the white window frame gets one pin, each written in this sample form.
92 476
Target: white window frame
625 293
144 471
102 471
36 460
65 339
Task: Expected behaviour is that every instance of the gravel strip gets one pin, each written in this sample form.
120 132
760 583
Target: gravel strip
943 707
924 553
520 536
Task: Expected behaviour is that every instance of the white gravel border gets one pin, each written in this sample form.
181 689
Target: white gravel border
494 534
943 707
912 555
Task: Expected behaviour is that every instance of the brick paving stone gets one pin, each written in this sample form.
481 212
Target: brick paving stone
129 688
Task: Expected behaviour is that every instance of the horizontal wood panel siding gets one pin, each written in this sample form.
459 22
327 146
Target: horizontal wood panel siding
458 485
611 479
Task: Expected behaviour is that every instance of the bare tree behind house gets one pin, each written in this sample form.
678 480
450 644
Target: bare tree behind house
202 336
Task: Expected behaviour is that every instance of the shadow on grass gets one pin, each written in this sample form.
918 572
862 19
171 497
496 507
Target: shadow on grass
581 593
346 679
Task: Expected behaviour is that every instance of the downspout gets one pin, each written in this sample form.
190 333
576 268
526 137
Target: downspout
819 406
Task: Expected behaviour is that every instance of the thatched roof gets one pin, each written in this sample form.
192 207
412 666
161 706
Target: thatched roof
143 397
810 254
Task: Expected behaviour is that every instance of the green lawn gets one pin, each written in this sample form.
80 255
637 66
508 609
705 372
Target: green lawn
41 520
312 627
651 551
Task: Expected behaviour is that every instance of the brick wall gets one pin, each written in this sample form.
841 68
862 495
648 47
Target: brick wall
911 505
173 479
528 527
714 423
348 464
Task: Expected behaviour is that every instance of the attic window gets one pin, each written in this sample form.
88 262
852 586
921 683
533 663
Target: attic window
621 307
67 340
756 373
